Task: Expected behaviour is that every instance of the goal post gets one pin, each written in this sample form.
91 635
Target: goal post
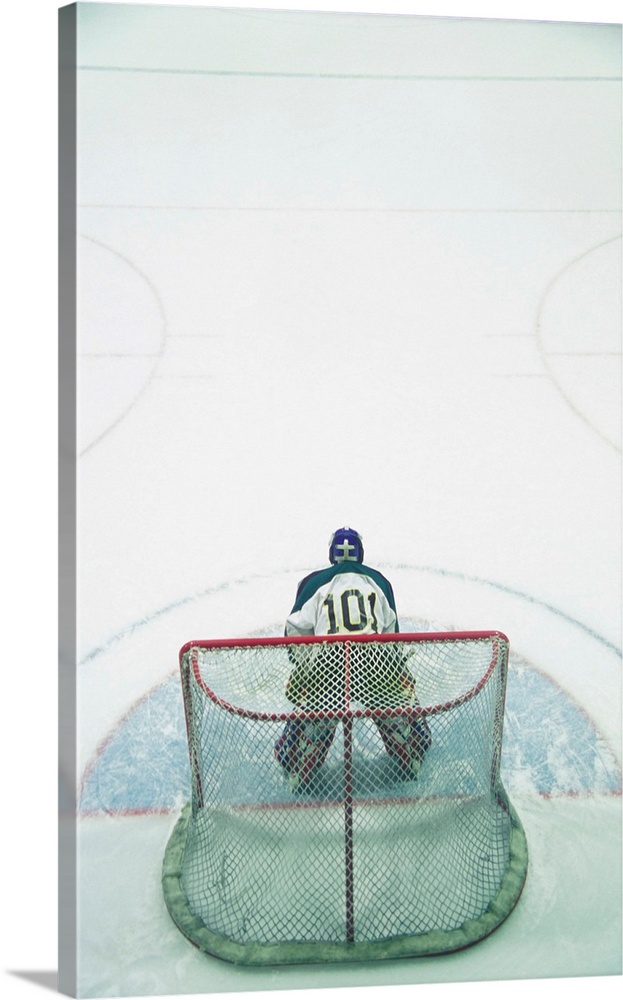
346 799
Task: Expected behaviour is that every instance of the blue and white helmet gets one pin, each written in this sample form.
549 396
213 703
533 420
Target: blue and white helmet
345 545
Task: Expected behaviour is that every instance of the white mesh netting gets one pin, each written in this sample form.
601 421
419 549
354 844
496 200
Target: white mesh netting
347 800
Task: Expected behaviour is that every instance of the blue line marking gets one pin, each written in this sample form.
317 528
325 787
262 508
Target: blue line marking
437 571
529 598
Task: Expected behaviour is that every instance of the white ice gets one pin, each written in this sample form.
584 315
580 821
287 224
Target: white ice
339 269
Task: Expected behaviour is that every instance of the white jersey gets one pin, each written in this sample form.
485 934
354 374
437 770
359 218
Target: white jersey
347 598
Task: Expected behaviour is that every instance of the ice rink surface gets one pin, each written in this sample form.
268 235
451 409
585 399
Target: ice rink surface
348 269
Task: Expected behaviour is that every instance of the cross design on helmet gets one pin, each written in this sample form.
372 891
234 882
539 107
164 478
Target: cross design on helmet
346 548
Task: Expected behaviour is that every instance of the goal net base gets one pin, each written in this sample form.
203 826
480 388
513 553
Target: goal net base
290 952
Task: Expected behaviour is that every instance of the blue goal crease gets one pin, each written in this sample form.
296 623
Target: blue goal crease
550 747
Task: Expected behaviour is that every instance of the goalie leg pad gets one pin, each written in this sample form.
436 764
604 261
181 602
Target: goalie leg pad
303 746
407 740
287 744
316 743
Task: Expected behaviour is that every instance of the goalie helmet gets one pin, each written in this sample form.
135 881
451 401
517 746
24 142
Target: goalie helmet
345 545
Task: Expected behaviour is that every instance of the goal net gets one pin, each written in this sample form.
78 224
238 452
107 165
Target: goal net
346 798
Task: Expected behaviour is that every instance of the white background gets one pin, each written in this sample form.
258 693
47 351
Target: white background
29 493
